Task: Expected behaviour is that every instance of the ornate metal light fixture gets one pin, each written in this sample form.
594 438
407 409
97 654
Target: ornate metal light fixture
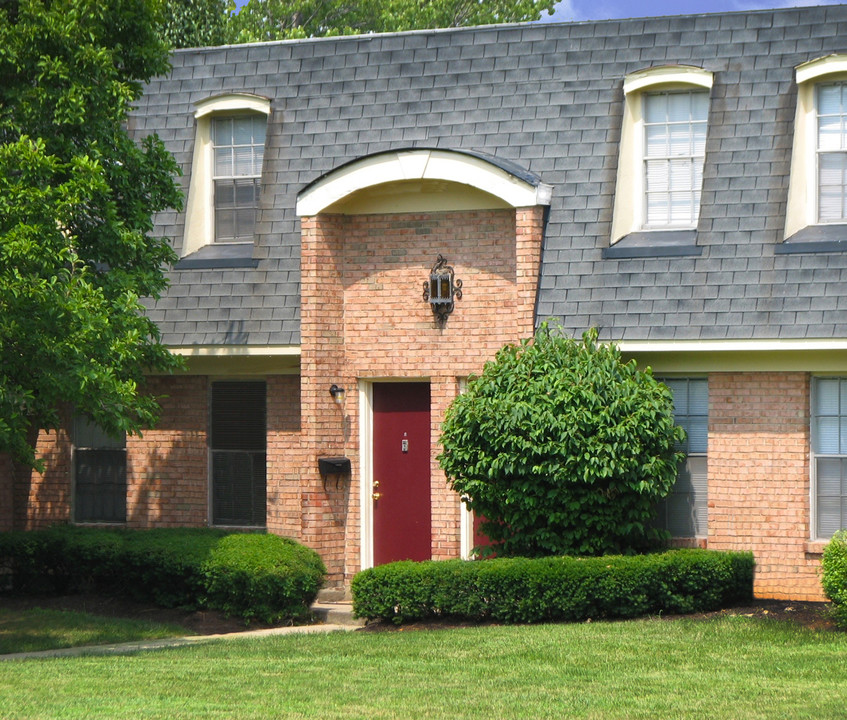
442 289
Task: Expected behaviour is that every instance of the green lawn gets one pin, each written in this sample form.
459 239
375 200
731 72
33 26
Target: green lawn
39 629
732 667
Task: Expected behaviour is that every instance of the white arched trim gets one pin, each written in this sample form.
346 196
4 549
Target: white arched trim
232 102
814 69
430 164
666 74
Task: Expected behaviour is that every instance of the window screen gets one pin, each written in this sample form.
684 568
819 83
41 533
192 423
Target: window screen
832 152
674 148
239 144
684 513
829 449
99 474
238 432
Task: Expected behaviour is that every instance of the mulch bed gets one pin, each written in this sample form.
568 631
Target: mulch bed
812 615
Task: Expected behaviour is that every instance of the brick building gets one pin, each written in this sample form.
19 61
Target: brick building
680 183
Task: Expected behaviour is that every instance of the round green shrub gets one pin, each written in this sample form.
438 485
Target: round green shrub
563 448
263 577
834 580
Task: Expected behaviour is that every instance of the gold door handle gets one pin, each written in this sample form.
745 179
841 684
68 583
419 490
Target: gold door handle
376 496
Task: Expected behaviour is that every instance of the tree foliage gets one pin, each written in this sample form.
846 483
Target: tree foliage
280 19
195 23
563 448
76 199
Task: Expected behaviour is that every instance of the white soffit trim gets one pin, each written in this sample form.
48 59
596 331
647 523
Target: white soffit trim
700 346
237 351
421 165
821 66
685 74
232 102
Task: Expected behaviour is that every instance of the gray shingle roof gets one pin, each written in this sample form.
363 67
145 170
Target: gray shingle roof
549 98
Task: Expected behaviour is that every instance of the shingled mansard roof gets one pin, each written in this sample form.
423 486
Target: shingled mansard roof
547 98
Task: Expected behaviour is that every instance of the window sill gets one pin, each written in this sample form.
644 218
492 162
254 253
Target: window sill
816 547
815 239
661 243
222 255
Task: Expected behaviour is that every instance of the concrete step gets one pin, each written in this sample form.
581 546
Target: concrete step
336 613
335 595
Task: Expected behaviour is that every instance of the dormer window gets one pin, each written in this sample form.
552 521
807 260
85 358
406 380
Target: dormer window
674 148
239 145
660 165
226 173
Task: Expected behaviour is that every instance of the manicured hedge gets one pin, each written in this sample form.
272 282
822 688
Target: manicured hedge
522 590
259 576
834 580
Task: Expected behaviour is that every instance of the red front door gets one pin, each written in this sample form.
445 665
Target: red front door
402 527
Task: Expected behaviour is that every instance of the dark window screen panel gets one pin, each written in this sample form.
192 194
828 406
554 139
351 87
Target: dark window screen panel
239 484
684 512
100 485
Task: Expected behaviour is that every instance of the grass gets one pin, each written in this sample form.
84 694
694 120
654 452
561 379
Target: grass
37 629
731 667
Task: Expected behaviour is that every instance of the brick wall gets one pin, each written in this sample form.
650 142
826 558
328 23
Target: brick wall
759 478
167 475
364 318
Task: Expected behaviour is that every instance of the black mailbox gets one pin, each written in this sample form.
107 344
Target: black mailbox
334 466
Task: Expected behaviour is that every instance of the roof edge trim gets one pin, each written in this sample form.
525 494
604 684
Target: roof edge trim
505 180
663 74
835 63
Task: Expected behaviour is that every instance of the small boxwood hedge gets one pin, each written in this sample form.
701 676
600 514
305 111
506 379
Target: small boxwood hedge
522 590
253 576
834 580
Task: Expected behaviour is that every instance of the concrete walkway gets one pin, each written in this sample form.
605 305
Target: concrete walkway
335 617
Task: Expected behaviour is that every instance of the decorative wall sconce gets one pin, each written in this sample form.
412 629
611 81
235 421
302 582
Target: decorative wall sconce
442 289
337 393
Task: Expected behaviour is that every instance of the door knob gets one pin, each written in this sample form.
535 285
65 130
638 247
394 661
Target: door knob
376 496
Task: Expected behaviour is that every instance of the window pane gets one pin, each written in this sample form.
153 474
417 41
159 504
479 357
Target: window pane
243 161
681 140
224 194
224 224
679 107
830 133
222 131
242 131
223 162
829 99
657 140
656 108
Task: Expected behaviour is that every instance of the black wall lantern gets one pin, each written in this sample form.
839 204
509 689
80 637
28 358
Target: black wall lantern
442 289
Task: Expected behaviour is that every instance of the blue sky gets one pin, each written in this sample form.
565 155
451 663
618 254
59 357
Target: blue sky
573 10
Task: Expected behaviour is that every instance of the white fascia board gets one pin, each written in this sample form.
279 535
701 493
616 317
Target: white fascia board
232 102
813 69
666 74
420 165
712 346
237 350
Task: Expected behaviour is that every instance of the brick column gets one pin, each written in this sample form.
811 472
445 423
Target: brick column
759 478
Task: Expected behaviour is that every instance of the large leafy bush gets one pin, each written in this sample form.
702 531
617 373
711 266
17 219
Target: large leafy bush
563 448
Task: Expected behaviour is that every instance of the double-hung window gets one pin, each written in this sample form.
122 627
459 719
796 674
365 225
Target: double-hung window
674 150
99 473
831 112
239 143
829 455
684 513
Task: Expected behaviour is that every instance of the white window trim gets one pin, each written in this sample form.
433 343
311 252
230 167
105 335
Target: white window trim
199 210
813 457
629 208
